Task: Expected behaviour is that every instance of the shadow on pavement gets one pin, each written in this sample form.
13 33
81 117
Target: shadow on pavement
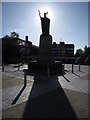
76 74
48 100
19 94
83 72
65 78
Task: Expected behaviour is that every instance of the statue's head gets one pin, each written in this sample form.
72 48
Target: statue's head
45 14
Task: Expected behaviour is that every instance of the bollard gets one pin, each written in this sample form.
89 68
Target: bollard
62 69
79 67
18 67
72 67
3 67
25 79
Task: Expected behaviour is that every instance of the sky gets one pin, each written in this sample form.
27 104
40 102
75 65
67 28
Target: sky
68 21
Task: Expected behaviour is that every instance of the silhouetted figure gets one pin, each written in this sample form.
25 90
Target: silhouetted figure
45 23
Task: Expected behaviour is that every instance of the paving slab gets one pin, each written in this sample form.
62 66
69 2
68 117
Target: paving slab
78 102
74 85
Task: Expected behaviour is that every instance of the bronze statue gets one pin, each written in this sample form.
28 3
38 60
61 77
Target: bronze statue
45 23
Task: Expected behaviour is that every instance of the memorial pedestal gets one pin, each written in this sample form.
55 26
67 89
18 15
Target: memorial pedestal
45 49
45 65
55 68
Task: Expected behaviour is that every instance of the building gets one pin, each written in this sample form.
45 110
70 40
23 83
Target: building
25 46
28 50
63 51
69 50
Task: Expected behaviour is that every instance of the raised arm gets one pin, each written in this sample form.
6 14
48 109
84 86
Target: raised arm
39 14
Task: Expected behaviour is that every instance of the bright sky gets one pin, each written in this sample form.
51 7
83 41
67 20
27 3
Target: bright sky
69 21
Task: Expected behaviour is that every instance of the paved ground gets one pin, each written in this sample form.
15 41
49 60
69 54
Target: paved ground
72 89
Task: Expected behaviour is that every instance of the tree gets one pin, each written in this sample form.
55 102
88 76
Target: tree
10 47
14 35
86 52
85 48
84 56
78 52
6 36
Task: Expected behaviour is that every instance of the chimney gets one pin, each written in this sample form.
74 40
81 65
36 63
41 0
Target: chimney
26 38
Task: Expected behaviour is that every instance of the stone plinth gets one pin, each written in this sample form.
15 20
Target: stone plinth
45 49
55 68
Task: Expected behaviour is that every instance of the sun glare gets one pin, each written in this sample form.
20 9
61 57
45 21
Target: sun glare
49 15
42 11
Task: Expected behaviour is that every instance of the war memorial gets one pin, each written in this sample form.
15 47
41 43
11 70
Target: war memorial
45 65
